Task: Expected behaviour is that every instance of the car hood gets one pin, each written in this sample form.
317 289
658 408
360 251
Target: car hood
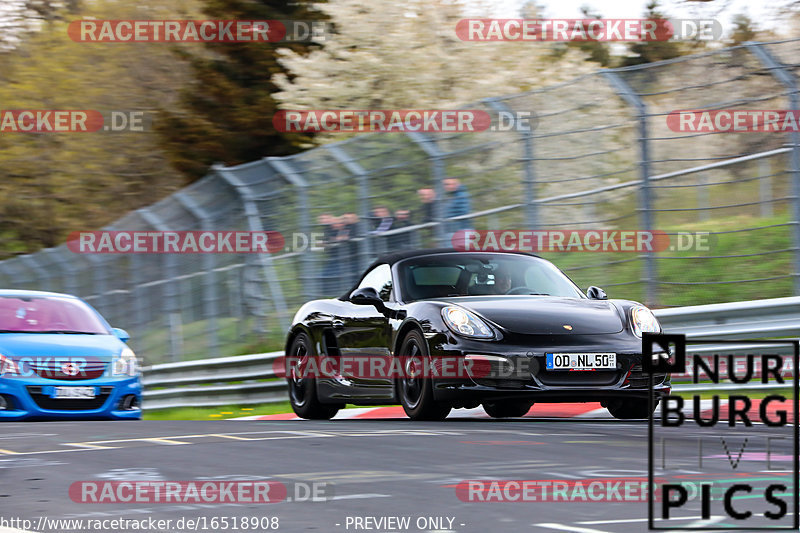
538 315
17 345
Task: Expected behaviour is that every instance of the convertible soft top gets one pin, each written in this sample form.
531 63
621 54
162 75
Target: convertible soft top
394 257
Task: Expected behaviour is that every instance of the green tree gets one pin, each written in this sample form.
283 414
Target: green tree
742 29
650 51
226 114
55 183
596 51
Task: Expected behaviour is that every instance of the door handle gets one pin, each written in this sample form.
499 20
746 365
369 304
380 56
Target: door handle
338 324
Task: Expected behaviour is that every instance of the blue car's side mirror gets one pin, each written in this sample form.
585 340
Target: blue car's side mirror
121 334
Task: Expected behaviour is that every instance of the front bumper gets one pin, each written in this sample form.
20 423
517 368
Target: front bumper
518 370
29 399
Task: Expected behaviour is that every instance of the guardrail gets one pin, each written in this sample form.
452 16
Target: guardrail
251 379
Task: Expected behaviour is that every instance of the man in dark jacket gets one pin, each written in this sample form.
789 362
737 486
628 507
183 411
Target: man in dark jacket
458 203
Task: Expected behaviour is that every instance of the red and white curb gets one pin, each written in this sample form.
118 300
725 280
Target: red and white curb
584 411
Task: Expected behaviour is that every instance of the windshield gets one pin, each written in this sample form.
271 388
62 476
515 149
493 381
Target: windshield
481 274
22 314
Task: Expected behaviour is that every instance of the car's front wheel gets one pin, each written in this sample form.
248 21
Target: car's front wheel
414 388
507 408
303 387
629 409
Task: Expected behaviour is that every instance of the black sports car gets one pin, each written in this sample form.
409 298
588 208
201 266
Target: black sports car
440 329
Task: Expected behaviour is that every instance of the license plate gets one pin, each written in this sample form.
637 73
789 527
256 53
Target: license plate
74 393
581 361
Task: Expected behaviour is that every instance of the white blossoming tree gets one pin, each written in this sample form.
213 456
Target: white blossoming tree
388 54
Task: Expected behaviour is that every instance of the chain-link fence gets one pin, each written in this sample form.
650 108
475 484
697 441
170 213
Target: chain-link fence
600 157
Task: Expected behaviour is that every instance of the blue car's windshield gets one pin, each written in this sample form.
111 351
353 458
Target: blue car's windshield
47 314
481 274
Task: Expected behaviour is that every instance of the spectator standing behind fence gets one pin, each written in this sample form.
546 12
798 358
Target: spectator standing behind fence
401 241
348 233
325 220
427 196
427 214
384 218
458 203
330 270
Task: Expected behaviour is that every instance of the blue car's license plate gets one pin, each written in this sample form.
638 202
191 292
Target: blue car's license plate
74 393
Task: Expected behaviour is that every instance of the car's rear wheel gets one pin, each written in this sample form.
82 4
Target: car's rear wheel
629 409
414 388
507 408
302 387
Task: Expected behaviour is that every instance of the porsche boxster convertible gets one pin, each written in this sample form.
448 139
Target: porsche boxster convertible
435 330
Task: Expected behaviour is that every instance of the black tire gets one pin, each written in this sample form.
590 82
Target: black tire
507 408
303 389
416 393
630 409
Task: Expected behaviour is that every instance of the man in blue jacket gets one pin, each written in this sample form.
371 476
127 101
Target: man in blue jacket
458 203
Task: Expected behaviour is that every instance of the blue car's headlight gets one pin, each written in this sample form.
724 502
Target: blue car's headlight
643 321
466 323
126 364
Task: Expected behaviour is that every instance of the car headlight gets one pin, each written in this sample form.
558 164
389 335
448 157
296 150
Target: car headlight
644 321
126 364
466 323
8 367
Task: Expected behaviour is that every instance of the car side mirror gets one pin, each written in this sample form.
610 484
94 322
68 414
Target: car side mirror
367 296
121 334
596 293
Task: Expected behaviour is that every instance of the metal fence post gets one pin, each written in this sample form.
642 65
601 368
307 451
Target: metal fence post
98 280
627 93
438 171
365 245
210 308
68 271
765 188
778 70
254 224
529 172
37 270
171 290
310 287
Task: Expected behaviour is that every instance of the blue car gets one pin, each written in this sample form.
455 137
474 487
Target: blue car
59 359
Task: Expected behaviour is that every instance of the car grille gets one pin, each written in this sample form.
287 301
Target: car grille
638 379
570 378
52 369
52 404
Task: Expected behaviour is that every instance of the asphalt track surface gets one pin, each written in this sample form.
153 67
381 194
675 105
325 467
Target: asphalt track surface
372 468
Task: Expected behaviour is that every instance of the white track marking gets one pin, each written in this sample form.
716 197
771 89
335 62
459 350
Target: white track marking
360 496
575 529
